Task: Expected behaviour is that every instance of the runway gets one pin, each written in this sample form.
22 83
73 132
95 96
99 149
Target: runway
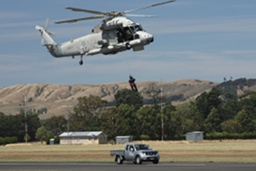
127 166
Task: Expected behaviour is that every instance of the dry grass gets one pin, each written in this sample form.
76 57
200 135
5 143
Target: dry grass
54 97
170 151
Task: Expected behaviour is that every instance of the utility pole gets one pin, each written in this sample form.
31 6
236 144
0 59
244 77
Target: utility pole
68 128
26 125
68 121
162 114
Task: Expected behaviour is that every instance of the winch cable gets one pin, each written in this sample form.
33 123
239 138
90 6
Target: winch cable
127 64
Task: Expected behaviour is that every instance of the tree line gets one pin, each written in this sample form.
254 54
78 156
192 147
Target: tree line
219 115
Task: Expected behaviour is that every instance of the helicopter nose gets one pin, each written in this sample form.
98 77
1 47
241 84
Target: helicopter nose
146 37
149 38
152 39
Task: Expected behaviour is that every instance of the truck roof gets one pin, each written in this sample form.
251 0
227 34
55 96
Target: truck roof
134 144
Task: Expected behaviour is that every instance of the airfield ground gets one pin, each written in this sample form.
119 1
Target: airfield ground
238 151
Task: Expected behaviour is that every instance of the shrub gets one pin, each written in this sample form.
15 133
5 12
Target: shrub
8 140
144 137
225 135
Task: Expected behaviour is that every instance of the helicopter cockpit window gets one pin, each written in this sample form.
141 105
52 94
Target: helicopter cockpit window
128 33
138 28
132 29
135 28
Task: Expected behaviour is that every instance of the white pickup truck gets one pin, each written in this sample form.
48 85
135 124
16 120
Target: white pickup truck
136 153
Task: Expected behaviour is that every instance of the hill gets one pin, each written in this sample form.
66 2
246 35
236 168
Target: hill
237 87
52 99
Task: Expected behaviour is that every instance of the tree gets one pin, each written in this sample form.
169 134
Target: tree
56 124
214 100
33 123
173 125
245 121
148 123
14 125
155 96
42 134
213 121
192 119
254 125
129 97
172 121
110 122
202 105
206 101
87 113
3 124
126 119
231 126
230 106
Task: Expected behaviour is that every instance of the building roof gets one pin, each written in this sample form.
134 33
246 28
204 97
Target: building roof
81 134
195 132
117 137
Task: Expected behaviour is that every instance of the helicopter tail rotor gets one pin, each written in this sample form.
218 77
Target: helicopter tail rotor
45 33
46 27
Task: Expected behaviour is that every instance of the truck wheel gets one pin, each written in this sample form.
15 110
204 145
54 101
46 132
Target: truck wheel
155 161
119 160
138 160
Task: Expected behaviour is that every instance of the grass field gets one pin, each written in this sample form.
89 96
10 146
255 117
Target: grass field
242 151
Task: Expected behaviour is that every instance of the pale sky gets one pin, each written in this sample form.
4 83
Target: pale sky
194 39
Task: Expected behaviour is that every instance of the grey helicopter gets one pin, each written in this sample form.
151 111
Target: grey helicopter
115 33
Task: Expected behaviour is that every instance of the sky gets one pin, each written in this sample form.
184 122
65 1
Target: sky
193 39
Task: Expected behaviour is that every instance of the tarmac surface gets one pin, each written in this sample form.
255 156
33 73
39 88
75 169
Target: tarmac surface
127 166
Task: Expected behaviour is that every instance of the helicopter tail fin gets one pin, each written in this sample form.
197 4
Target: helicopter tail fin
46 35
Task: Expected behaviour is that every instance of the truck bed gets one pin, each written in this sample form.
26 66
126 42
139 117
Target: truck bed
116 152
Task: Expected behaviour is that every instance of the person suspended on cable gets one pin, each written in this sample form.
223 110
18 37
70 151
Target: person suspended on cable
132 83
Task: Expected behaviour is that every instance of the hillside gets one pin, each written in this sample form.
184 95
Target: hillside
52 99
238 87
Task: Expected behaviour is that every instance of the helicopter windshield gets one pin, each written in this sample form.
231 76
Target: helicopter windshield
136 28
128 33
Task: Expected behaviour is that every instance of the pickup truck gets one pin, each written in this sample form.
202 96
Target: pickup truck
136 153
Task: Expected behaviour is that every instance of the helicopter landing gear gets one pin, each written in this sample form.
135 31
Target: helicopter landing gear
81 60
128 46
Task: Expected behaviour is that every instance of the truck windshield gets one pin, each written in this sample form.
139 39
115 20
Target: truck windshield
141 147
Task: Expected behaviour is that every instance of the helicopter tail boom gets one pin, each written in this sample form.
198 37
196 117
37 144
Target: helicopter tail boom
45 36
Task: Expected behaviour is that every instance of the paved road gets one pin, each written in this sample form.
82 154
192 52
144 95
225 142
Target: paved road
127 166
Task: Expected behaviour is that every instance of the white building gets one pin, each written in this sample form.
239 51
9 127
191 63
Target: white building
195 136
86 137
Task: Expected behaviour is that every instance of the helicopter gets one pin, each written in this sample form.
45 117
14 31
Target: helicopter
115 33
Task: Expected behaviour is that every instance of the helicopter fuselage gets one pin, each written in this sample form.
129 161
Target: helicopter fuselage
114 34
110 37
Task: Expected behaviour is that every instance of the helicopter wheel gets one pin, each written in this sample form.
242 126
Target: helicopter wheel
128 46
81 62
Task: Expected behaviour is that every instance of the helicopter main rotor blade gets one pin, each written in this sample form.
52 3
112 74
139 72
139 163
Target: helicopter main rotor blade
80 19
88 11
47 23
101 14
150 6
139 15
